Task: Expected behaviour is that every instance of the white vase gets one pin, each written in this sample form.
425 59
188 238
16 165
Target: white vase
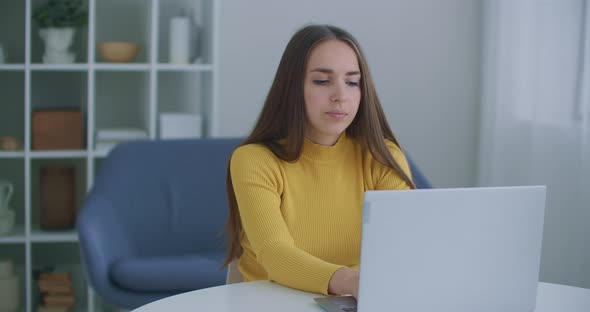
7 217
57 44
180 40
183 44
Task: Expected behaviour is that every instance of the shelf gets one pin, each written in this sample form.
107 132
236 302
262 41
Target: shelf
11 67
40 236
121 67
202 42
10 155
15 237
59 67
12 111
131 21
189 68
57 90
108 66
100 153
122 100
59 257
108 95
11 171
13 31
185 92
65 154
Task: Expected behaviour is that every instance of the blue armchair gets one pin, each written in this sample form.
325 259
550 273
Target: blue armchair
152 225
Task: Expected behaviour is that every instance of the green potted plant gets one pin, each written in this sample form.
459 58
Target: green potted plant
57 21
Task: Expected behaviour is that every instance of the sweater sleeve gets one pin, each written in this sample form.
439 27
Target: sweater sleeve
258 184
387 178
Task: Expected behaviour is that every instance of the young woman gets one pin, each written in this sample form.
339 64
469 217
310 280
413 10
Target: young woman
295 185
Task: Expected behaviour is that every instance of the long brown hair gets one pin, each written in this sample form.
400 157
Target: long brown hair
283 116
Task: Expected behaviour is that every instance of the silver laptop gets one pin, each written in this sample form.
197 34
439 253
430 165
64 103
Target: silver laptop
459 250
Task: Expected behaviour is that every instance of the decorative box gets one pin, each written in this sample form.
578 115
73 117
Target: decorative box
57 197
57 129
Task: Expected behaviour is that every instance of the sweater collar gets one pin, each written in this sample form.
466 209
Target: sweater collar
324 153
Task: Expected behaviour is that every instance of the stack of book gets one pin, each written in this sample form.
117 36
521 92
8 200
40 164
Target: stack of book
57 294
106 139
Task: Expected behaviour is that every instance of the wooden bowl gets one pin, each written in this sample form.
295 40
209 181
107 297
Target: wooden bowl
118 52
9 143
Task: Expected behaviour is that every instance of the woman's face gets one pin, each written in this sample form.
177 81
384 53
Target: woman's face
331 91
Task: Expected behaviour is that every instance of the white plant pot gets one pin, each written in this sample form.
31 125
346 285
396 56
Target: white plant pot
57 45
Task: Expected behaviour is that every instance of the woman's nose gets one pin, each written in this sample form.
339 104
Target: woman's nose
339 93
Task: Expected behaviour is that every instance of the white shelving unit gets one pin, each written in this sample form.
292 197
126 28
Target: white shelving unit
108 94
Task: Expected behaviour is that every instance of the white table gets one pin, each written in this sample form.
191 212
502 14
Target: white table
267 296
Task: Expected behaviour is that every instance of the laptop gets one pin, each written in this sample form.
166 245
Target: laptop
460 250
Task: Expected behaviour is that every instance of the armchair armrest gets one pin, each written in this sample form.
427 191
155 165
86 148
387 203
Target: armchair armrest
103 240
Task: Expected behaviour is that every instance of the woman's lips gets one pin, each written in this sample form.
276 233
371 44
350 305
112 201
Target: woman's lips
337 115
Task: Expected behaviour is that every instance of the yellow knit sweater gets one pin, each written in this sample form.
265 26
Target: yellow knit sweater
302 220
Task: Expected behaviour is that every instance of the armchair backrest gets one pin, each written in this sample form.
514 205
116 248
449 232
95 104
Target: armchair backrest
171 194
419 179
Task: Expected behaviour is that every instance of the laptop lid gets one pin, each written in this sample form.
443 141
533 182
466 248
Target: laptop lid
460 250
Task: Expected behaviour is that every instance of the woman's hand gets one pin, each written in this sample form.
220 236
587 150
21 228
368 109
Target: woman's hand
345 281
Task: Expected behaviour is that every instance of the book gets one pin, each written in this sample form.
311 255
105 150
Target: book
58 292
44 308
55 283
120 134
59 301
55 287
55 276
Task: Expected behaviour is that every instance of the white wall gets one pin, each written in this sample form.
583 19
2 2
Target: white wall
424 56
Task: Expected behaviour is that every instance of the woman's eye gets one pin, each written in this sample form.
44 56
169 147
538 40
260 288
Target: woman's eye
353 83
321 82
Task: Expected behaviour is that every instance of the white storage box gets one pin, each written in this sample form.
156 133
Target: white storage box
180 126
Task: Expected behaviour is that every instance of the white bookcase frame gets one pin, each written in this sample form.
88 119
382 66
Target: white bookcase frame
26 235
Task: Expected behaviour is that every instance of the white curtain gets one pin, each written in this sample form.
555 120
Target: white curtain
536 120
